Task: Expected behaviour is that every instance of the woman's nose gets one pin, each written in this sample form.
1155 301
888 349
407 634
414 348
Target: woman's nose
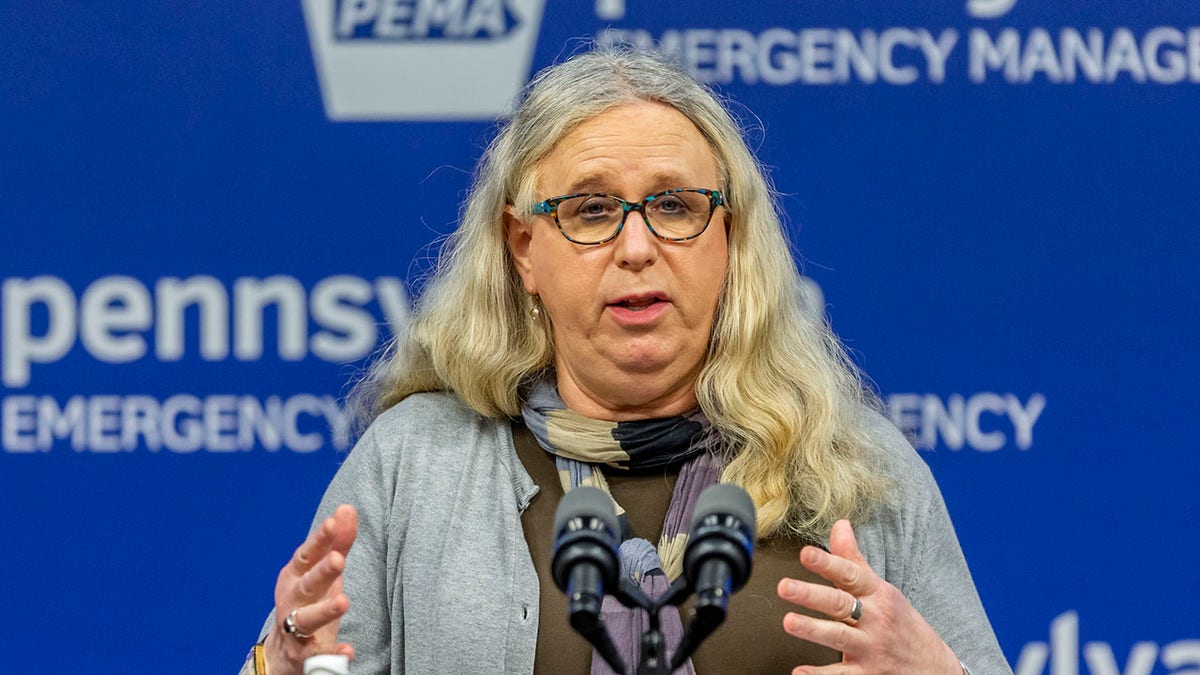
636 246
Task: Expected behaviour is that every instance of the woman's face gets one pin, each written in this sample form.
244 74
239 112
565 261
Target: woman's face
632 317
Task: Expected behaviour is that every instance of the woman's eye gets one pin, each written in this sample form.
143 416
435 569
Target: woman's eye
597 207
669 205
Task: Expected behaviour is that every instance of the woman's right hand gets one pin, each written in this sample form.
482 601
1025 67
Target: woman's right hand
311 585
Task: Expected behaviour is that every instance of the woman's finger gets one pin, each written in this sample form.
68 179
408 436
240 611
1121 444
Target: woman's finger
331 609
313 549
856 578
835 603
831 669
316 582
309 620
337 533
344 529
843 543
833 634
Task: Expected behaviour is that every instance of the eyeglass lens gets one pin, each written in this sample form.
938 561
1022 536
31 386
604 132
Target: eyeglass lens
594 218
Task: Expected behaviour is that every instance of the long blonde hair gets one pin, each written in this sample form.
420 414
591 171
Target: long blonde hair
777 382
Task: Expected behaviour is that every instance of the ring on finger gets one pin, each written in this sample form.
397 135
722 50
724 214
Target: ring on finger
855 613
289 627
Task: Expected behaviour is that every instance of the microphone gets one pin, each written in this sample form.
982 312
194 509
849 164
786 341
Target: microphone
718 559
585 562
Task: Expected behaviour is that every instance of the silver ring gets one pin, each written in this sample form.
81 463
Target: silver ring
289 626
855 613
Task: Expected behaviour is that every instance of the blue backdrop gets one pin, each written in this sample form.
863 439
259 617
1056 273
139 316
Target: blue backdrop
210 212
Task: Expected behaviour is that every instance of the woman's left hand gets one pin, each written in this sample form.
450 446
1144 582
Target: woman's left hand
890 636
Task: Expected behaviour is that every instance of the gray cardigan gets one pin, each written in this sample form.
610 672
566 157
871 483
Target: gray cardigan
440 579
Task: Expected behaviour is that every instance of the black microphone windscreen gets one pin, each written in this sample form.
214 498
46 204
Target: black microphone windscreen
586 501
725 499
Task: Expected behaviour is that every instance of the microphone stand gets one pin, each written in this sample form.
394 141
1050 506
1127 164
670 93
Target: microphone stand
654 649
653 660
591 626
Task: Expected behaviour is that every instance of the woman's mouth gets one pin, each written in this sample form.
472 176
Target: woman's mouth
636 310
637 305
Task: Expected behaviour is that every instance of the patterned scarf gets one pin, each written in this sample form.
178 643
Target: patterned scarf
580 446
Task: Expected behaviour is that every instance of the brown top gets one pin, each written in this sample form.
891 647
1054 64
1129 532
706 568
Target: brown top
751 640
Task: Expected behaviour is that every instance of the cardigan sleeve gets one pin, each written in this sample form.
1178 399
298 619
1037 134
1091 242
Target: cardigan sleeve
912 544
942 590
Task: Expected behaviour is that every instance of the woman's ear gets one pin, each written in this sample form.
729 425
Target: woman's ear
518 232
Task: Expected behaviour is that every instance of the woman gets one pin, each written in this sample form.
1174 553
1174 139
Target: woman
619 308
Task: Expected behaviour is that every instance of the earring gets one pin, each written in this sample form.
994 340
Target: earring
536 310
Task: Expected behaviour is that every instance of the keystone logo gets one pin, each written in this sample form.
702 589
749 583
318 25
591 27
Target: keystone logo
421 59
989 9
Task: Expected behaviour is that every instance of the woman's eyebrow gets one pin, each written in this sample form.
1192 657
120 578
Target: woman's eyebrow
662 180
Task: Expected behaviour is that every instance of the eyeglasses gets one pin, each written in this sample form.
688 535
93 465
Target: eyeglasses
591 218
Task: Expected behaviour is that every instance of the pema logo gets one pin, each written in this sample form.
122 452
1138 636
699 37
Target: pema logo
421 59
